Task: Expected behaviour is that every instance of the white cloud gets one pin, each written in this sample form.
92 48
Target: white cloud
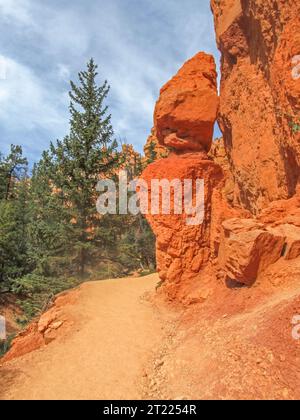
3 68
63 72
16 10
25 104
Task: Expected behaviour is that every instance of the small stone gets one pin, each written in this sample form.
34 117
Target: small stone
159 364
56 325
45 320
49 336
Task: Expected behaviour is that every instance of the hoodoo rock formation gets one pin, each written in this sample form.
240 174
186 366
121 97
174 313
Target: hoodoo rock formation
251 176
184 121
260 90
182 249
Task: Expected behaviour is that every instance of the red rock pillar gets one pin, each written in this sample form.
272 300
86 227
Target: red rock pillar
184 122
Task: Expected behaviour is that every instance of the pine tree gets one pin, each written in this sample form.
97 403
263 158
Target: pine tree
12 169
152 153
13 217
82 157
50 226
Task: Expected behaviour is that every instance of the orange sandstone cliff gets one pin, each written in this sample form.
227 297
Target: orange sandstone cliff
259 103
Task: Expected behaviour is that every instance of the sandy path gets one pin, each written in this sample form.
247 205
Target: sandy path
115 332
117 344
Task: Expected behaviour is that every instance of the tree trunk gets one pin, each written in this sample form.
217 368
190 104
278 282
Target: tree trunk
82 262
8 186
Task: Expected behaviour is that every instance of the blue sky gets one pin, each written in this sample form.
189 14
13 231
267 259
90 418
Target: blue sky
138 45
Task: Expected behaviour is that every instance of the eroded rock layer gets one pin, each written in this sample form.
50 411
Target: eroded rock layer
183 249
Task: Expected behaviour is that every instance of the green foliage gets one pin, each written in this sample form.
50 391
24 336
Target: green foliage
134 244
294 124
13 217
51 229
37 291
13 168
295 127
135 247
5 345
152 154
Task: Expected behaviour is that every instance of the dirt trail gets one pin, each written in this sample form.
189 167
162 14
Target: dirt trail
118 341
115 331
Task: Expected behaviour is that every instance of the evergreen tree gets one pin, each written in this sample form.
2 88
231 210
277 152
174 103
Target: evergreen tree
50 228
152 153
82 157
13 217
12 169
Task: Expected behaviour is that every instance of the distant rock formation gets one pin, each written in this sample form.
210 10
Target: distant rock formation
153 150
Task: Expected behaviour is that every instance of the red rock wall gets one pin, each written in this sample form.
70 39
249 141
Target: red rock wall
260 101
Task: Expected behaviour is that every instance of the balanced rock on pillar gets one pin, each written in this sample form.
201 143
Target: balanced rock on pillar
184 121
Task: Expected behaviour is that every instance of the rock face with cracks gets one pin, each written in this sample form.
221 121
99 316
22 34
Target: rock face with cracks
260 97
247 249
183 249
